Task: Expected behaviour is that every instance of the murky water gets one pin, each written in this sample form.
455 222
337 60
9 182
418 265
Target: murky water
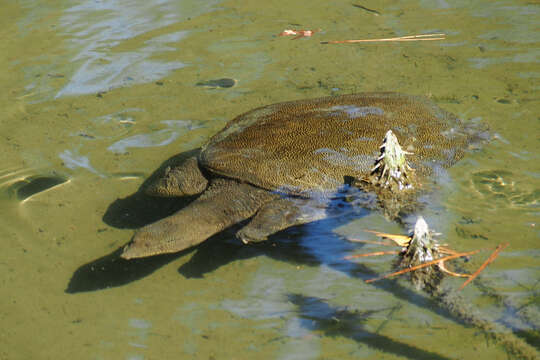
97 94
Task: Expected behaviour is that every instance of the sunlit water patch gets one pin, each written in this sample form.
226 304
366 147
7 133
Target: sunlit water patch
95 29
109 126
67 159
175 128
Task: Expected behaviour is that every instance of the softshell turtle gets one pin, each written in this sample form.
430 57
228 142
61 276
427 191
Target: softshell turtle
279 165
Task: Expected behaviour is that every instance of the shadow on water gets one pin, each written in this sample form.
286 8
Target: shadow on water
284 246
140 209
131 212
332 321
112 271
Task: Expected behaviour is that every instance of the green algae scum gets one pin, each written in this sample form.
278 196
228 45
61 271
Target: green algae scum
101 98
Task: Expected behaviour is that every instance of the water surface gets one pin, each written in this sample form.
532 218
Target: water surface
97 94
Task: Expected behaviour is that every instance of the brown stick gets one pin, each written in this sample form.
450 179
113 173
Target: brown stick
376 253
423 265
443 268
490 259
422 37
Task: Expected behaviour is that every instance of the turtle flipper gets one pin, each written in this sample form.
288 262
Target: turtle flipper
223 204
281 214
183 179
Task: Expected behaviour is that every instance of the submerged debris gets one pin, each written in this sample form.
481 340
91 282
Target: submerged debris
424 259
421 37
223 83
392 179
422 249
298 33
391 170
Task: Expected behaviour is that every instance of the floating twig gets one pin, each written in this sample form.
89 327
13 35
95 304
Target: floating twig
443 268
492 257
446 250
423 265
401 240
376 253
374 12
421 37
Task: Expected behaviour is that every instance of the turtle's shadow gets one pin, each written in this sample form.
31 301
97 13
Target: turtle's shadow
219 250
131 212
112 271
139 209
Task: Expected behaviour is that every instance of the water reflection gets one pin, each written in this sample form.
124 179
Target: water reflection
318 315
175 128
96 28
281 296
73 160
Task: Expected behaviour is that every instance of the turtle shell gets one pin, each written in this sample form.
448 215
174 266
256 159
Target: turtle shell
299 147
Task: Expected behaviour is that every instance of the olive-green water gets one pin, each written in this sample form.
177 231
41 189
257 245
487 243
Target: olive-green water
97 94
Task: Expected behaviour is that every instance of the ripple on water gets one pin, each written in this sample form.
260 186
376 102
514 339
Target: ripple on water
109 126
22 184
96 28
501 186
175 129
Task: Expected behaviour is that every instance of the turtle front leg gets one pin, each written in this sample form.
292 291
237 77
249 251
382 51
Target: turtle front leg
224 203
281 214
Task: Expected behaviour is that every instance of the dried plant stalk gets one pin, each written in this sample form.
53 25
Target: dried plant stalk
421 37
429 263
376 253
490 259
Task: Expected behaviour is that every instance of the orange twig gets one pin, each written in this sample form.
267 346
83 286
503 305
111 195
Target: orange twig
445 250
443 268
423 37
423 265
492 257
401 240
376 253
